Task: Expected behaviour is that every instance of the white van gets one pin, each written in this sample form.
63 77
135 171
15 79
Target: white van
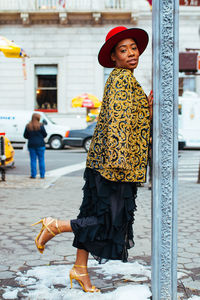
189 119
13 124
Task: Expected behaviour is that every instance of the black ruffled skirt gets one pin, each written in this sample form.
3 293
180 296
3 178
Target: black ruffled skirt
104 224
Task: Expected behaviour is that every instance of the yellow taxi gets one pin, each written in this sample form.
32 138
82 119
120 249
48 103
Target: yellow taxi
9 151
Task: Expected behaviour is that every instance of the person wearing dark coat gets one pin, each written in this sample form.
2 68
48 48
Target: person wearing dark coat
35 133
116 162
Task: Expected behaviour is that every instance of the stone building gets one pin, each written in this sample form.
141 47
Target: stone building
62 39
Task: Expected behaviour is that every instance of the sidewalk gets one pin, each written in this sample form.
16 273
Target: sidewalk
24 201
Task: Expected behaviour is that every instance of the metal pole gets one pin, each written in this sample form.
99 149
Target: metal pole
165 149
198 180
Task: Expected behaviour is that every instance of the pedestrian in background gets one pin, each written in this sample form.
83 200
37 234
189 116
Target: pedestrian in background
116 162
35 133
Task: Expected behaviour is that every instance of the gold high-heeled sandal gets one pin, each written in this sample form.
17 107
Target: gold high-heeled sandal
42 247
74 275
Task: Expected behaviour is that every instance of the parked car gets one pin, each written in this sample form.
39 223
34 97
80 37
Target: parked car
9 152
83 137
80 137
181 142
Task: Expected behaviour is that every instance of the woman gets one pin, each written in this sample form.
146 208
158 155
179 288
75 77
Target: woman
35 133
116 162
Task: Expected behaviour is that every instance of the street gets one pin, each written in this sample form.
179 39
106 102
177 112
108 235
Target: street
24 201
188 162
54 159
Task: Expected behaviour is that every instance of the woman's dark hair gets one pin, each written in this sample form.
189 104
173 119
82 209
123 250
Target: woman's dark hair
34 124
113 49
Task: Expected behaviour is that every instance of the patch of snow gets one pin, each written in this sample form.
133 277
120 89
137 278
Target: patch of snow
46 275
11 293
194 298
141 292
125 269
52 283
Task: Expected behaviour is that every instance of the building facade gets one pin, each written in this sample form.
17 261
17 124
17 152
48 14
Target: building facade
62 39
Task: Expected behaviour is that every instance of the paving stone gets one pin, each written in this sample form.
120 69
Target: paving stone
30 244
32 256
3 268
17 261
189 255
22 252
14 233
181 250
70 258
182 270
7 244
192 265
16 267
192 284
35 263
7 275
20 238
180 266
27 231
4 238
65 251
196 260
184 260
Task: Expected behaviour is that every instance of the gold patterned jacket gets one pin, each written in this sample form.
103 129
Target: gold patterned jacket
119 147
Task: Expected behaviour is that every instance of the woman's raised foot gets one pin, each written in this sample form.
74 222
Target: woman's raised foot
49 229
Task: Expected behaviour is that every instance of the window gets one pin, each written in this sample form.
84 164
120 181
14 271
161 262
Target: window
49 4
114 3
186 83
46 88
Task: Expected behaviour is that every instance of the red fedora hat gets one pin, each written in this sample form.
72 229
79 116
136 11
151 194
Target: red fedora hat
117 34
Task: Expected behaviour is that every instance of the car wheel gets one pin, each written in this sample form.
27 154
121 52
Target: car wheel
56 142
86 144
181 145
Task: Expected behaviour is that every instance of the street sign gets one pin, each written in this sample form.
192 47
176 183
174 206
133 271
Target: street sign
190 2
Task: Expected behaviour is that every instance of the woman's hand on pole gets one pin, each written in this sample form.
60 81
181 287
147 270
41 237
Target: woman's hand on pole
150 101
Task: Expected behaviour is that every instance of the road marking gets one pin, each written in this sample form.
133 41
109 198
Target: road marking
65 170
188 167
192 179
180 173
